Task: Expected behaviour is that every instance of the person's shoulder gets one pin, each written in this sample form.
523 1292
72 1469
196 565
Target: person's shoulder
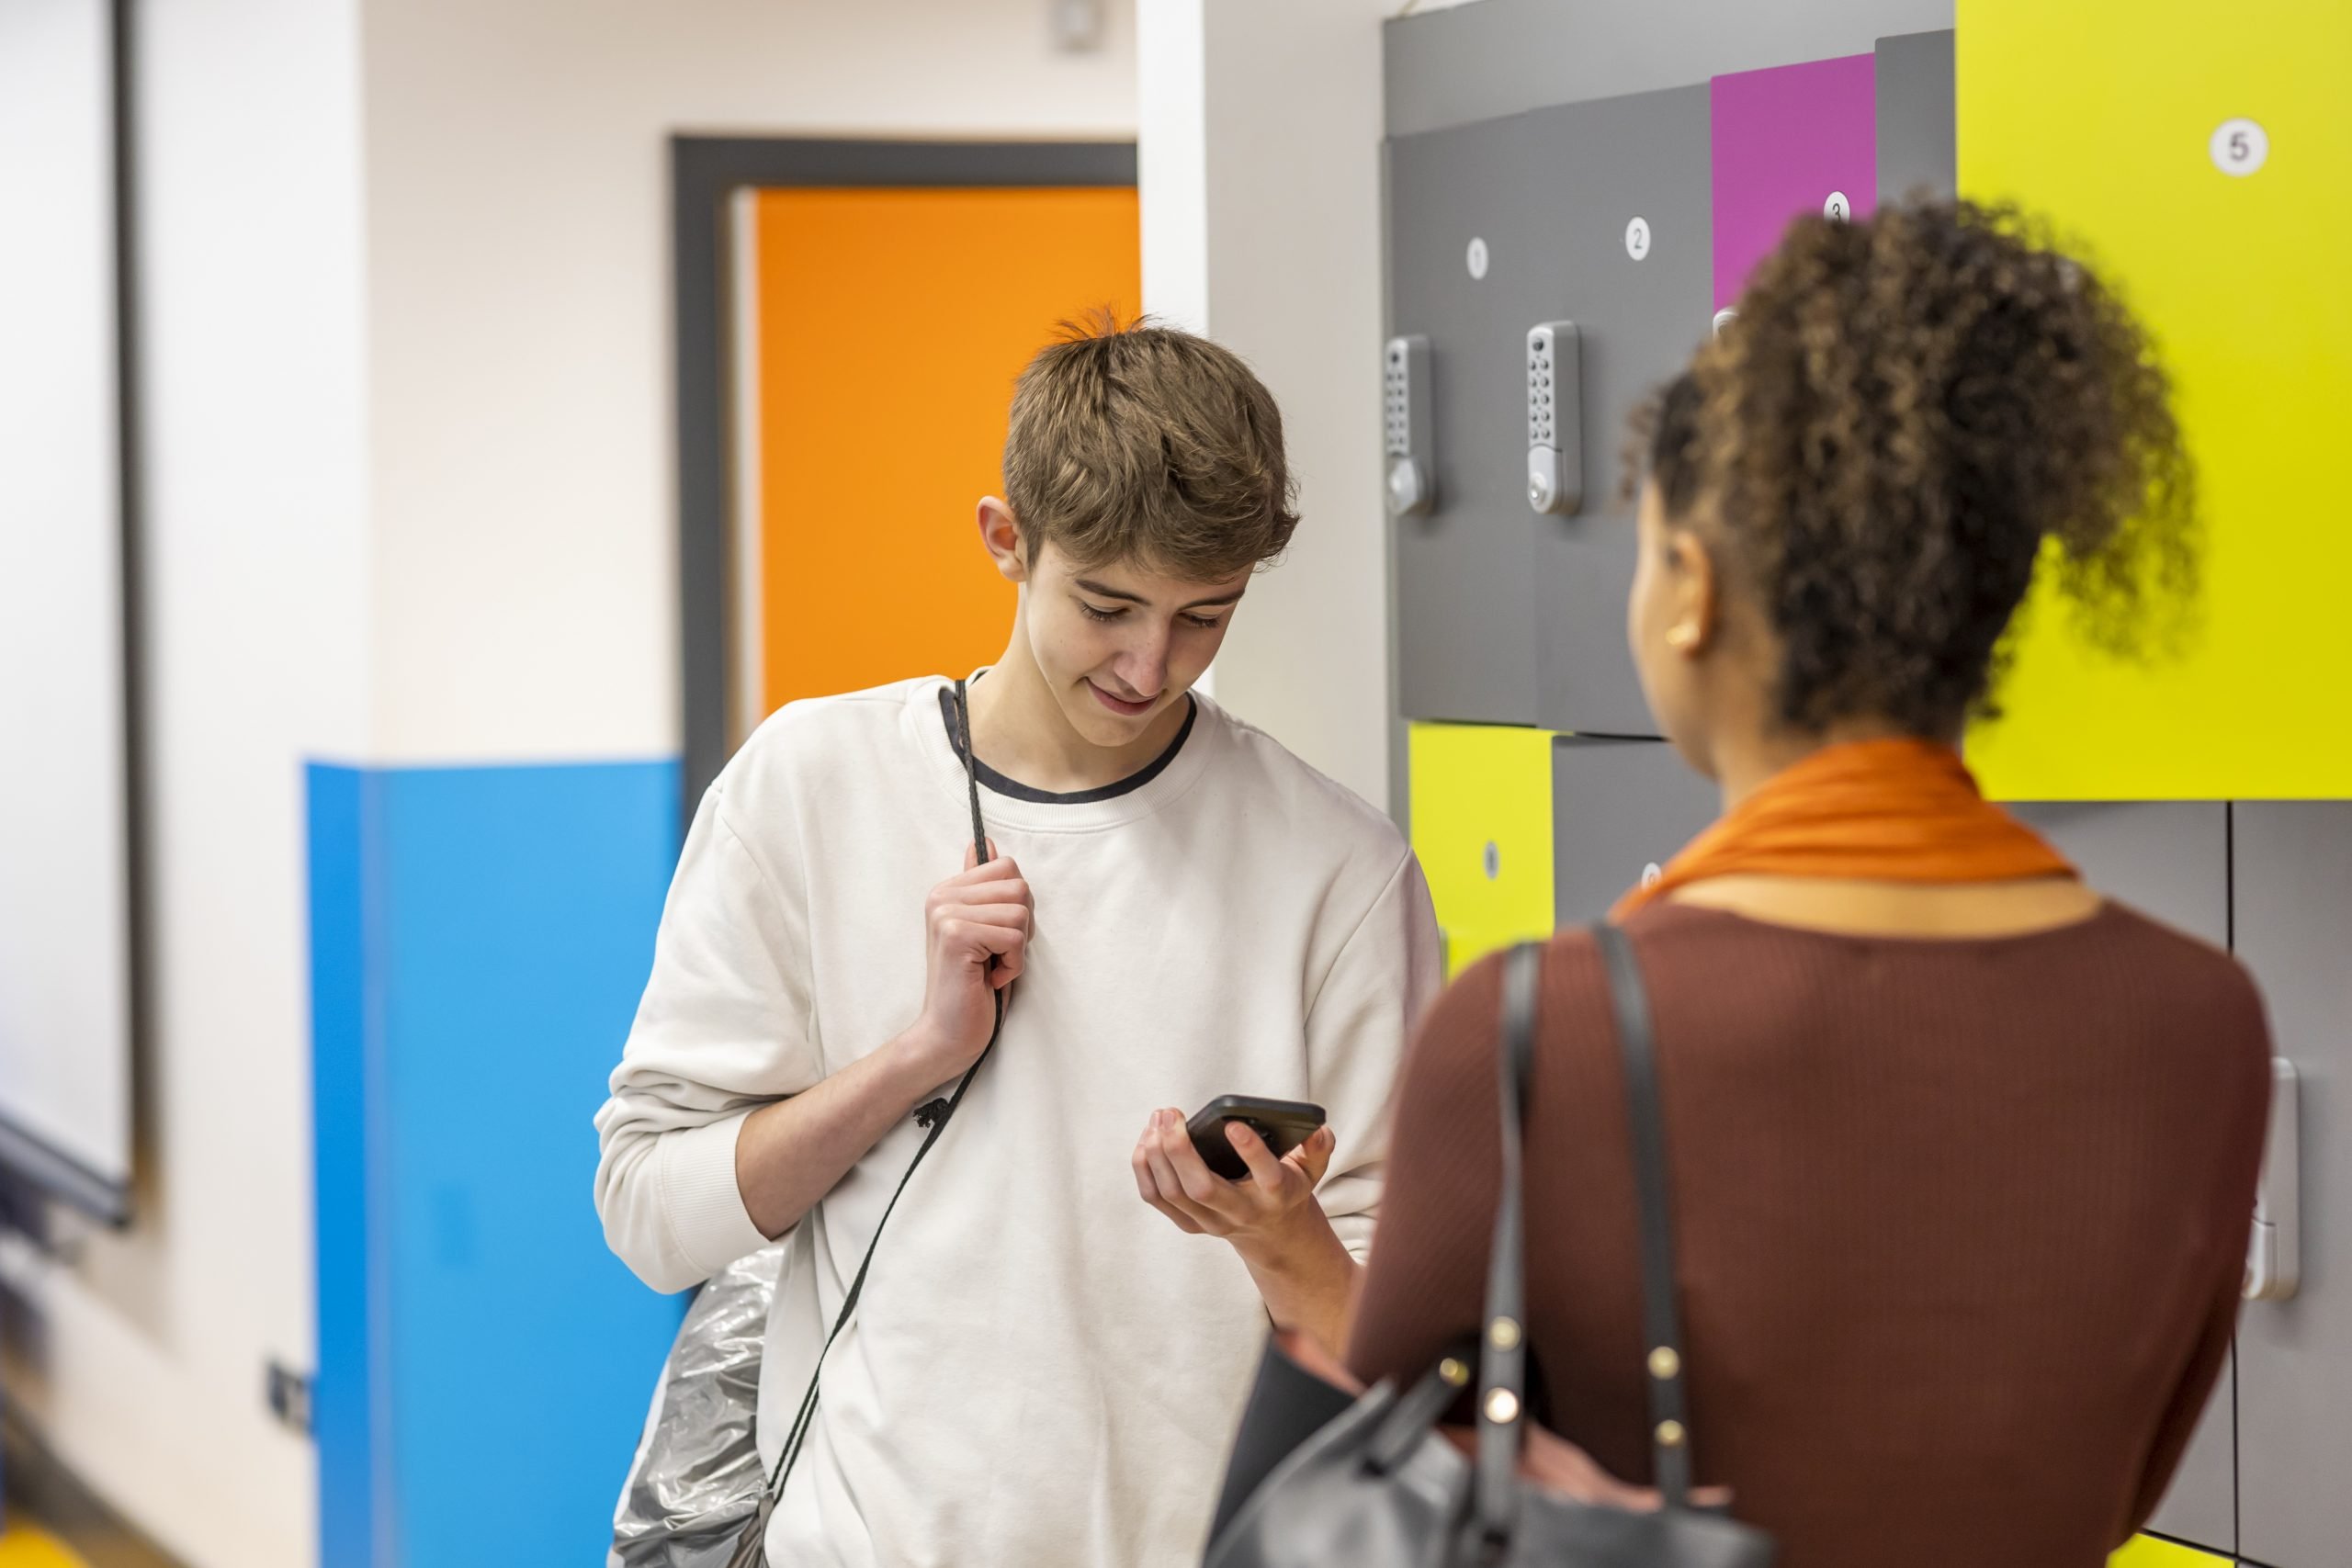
1313 809
808 742
2182 975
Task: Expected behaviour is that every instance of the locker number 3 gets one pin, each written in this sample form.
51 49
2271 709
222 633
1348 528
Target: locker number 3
1637 238
1837 209
2240 147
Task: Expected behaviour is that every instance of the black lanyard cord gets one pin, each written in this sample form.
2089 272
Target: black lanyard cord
933 1116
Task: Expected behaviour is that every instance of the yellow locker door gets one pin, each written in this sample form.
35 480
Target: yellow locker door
2201 156
1481 801
2147 1552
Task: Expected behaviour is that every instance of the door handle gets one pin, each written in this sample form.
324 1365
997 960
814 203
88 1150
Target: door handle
2274 1250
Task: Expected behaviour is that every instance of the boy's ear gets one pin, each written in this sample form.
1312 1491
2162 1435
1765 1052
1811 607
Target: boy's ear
1002 535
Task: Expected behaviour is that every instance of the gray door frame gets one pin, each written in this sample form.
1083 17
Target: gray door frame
705 173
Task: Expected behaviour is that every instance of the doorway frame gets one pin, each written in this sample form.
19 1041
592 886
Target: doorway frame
706 172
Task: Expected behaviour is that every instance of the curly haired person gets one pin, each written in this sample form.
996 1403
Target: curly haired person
1963 1154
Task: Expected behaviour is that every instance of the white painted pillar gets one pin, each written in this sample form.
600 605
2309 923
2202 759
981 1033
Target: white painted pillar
1259 168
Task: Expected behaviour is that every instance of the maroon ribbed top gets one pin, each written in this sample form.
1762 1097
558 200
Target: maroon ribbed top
1961 1223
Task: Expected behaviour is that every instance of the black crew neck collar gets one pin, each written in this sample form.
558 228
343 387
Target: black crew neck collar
1014 789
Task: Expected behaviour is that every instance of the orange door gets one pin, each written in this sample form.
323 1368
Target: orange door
888 327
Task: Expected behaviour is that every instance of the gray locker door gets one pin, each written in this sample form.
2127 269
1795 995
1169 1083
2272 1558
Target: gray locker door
1618 806
2293 889
1465 629
1600 165
1917 114
2169 860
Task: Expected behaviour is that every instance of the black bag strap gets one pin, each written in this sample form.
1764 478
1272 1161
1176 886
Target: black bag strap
1502 1360
1661 1302
1502 1396
751 1546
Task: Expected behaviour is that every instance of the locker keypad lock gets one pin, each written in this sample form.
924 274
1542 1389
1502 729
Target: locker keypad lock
1404 402
1554 420
2274 1248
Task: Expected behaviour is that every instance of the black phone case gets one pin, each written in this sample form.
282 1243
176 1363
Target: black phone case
1282 1124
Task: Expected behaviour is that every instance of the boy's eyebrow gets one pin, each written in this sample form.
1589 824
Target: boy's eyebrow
1106 592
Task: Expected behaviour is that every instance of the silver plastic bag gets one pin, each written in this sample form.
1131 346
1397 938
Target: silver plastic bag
697 1476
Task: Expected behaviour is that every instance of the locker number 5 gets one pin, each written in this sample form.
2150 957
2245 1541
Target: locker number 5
2240 147
1637 238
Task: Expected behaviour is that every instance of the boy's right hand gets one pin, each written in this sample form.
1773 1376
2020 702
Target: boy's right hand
976 926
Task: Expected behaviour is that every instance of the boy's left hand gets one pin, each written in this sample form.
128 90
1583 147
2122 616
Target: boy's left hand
1264 1209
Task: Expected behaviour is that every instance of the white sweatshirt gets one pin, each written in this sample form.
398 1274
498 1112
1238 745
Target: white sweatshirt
1042 1369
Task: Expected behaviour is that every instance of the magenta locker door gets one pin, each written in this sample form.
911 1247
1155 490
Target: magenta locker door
1791 140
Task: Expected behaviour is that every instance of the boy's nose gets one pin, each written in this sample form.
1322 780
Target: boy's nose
1144 669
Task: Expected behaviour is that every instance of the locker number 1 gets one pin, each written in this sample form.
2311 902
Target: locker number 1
1637 238
2239 146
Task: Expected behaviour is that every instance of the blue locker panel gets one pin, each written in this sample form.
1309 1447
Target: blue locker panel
486 1363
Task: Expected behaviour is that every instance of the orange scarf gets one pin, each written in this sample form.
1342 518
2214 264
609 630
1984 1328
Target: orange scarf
1878 810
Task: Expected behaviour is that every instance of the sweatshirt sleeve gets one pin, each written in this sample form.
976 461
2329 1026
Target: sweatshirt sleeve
724 1027
1356 1031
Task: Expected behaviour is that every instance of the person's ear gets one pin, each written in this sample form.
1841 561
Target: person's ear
1697 613
1000 533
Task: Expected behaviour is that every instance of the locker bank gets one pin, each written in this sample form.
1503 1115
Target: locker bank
1639 171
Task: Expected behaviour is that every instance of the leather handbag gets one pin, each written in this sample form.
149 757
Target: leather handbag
1380 1486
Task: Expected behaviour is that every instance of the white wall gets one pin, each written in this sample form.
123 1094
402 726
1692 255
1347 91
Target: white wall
153 1346
406 289
520 310
1259 168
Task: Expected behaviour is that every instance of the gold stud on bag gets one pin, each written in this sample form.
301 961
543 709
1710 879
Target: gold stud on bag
1380 1472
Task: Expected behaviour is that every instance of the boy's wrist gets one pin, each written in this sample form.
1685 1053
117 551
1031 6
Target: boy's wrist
1304 1272
908 1060
1302 1243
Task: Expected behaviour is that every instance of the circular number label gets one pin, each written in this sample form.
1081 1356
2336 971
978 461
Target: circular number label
2239 146
1652 875
1492 860
1476 258
1725 318
1837 209
1637 238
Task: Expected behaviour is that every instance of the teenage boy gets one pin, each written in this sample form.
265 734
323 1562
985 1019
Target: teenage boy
1038 1370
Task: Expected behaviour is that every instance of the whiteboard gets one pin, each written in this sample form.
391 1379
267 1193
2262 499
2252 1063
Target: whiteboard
64 895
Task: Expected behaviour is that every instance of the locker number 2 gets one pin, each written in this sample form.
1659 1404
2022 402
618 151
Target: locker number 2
2240 147
1637 238
1837 209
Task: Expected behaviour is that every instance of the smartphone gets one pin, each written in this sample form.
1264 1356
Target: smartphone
1283 1124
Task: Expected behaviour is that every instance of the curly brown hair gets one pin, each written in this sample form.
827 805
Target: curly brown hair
1902 417
1144 442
